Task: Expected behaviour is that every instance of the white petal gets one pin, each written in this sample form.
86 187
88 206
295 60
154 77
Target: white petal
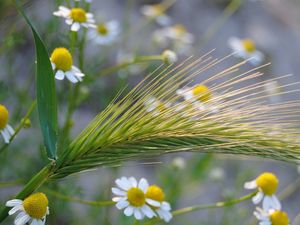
15 209
71 77
138 214
117 191
258 197
143 184
13 202
123 183
276 203
122 204
5 136
165 215
69 21
146 210
133 181
35 222
75 27
153 202
250 185
117 199
10 130
22 218
128 211
267 203
59 75
165 206
53 65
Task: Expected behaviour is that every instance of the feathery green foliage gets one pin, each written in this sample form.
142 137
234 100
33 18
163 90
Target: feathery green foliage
237 120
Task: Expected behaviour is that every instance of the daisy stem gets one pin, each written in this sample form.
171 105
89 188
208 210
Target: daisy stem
136 222
77 200
209 206
21 125
138 59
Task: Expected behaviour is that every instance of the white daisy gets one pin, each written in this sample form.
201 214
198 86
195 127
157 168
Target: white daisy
271 217
32 210
76 17
175 37
159 205
266 184
156 11
197 93
131 197
6 130
105 33
155 106
62 63
246 49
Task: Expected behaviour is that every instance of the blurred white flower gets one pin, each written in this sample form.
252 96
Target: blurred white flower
266 184
156 11
105 33
217 173
273 90
62 62
271 217
246 49
175 37
76 17
169 57
6 130
179 163
155 106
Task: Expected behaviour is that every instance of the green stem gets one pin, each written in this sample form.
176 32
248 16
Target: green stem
209 206
78 200
39 179
138 59
232 7
11 183
136 222
21 125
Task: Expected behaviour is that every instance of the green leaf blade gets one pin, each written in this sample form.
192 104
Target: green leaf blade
46 93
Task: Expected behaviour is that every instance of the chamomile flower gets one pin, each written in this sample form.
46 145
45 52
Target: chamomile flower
246 49
105 33
32 210
159 205
6 130
199 92
62 63
267 184
131 196
156 106
272 217
76 17
156 11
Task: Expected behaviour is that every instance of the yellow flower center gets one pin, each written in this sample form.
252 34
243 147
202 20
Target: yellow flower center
157 9
202 93
268 183
136 197
279 218
102 29
3 116
62 59
179 29
248 45
154 192
36 205
78 15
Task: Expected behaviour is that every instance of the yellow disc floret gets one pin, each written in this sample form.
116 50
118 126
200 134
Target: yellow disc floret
156 193
179 29
249 45
78 15
62 59
279 218
136 197
202 93
102 29
36 205
157 9
268 183
3 116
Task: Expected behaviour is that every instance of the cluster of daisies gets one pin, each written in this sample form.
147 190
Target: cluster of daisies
270 213
136 198
140 199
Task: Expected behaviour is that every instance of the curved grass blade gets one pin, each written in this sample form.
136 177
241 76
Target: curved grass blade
46 94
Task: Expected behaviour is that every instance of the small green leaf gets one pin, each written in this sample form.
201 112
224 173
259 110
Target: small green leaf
46 94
